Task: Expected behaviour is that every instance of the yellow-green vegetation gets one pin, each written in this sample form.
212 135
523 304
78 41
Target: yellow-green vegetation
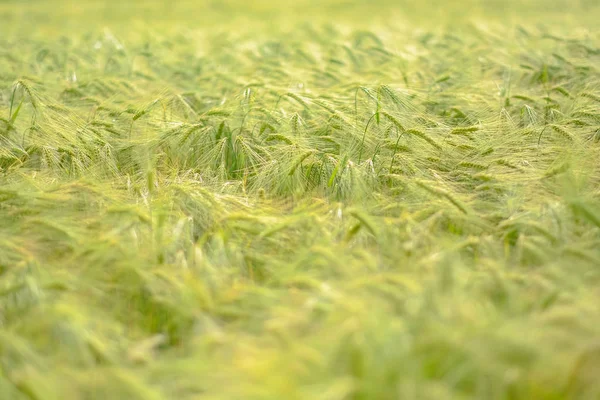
318 199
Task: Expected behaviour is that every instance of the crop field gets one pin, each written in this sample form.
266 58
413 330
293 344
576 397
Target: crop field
311 199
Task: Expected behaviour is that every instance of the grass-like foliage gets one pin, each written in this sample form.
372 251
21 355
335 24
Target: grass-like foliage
320 200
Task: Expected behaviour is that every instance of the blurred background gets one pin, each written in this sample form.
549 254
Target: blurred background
27 17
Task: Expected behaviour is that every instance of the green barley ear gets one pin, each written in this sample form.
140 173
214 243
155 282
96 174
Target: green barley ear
27 88
390 94
297 98
352 56
299 161
216 112
443 78
265 126
143 111
423 136
365 36
585 212
442 193
473 165
523 98
369 93
279 137
562 90
507 163
365 221
562 132
394 121
591 96
352 231
464 130
295 121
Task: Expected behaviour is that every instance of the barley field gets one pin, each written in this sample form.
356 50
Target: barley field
317 199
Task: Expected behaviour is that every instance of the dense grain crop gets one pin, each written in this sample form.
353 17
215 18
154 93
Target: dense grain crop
319 200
